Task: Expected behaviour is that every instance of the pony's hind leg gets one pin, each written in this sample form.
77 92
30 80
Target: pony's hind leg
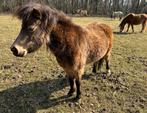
98 65
94 69
107 59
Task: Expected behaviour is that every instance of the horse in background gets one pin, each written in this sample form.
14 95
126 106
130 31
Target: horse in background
118 14
81 12
133 19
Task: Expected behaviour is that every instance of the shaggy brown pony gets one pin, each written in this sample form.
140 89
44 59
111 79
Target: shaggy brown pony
72 45
133 19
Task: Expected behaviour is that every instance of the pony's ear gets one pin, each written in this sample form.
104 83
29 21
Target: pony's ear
36 14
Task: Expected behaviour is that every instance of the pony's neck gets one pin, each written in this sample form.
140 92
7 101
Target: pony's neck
61 28
124 21
58 38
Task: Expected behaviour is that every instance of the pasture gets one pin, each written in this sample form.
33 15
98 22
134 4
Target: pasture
36 83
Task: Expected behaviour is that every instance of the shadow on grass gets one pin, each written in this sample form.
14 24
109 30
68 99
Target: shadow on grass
125 33
28 98
122 33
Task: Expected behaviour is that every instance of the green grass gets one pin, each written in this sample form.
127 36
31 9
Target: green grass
36 83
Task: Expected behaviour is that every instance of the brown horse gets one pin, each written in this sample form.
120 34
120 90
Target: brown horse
72 45
133 19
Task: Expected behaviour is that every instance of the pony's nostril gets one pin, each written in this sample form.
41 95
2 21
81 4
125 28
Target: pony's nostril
14 50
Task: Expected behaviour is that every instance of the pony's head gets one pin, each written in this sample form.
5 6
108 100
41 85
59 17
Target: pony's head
37 21
121 28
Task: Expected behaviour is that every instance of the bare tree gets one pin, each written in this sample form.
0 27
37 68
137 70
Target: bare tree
93 7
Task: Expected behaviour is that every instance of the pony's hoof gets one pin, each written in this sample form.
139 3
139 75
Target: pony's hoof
77 98
70 93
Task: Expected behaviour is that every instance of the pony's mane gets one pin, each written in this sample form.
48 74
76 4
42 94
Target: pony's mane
125 19
24 12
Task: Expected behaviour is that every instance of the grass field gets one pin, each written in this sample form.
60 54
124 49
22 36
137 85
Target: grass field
36 84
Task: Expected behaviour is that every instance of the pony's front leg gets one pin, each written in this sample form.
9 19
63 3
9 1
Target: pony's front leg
128 27
72 85
132 28
78 83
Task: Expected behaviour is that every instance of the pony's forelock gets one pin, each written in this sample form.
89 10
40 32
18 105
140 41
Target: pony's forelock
24 12
48 15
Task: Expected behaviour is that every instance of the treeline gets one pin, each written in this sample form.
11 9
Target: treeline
93 7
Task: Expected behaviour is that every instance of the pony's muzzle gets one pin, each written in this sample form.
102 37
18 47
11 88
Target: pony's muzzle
18 51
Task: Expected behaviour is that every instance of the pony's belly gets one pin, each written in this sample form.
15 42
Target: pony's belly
95 57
